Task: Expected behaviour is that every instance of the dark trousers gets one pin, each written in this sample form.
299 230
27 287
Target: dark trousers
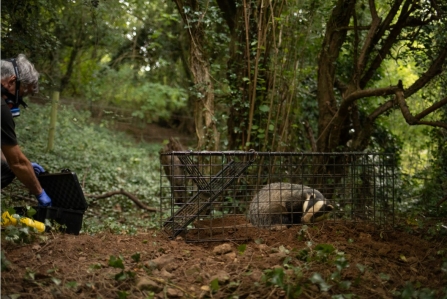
7 174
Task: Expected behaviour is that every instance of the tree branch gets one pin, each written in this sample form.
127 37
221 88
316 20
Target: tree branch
372 92
430 109
381 110
341 28
361 137
410 119
372 9
347 102
366 49
122 192
389 41
434 70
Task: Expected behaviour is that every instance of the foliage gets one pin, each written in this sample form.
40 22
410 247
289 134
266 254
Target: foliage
26 27
423 188
103 161
434 189
5 263
121 53
263 66
145 100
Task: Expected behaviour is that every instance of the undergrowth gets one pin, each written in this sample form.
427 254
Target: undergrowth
104 160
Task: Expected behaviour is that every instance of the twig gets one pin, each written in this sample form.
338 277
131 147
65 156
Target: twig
129 195
22 197
166 283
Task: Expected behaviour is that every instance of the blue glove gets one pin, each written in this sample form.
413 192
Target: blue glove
43 199
37 168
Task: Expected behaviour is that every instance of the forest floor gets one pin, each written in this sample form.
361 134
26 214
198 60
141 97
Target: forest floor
298 262
325 260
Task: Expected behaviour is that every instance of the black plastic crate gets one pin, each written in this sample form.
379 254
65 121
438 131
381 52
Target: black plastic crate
64 190
70 221
68 201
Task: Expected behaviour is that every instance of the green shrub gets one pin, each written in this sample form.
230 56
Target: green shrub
104 160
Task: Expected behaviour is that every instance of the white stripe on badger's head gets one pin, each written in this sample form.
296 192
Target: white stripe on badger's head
306 202
308 214
317 206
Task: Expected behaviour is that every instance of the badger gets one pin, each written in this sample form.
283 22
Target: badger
286 204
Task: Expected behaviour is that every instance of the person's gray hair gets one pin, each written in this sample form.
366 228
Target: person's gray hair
29 76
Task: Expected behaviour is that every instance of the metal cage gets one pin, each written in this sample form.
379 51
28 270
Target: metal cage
205 195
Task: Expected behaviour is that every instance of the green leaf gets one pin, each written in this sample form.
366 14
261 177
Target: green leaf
56 281
384 276
136 257
121 276
264 108
361 268
31 212
341 263
11 211
116 262
277 277
302 255
345 285
317 279
214 285
4 262
241 248
122 294
96 266
30 274
71 284
326 248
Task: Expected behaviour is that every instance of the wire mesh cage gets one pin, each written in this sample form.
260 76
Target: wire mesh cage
216 196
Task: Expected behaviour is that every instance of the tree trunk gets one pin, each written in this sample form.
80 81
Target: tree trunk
206 130
334 38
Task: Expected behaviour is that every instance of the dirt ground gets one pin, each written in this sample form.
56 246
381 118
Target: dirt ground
360 262
294 262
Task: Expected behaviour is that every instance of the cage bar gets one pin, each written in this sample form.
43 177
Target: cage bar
207 197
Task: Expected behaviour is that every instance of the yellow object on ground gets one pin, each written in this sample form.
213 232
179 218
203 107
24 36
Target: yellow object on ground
7 219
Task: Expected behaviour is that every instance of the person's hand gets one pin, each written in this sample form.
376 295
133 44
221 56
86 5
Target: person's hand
37 168
43 199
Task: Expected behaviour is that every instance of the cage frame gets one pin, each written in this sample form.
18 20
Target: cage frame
378 163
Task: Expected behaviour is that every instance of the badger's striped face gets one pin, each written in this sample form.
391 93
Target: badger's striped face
315 209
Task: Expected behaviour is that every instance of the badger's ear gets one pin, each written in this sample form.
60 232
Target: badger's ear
329 207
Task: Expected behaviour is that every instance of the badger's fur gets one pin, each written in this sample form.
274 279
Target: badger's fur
286 204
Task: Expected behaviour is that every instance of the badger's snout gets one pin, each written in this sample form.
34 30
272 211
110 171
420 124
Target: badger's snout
318 213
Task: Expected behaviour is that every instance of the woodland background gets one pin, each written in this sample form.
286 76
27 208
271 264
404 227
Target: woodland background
308 75
322 76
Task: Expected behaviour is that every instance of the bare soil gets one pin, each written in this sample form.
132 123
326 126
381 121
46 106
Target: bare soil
377 265
266 264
